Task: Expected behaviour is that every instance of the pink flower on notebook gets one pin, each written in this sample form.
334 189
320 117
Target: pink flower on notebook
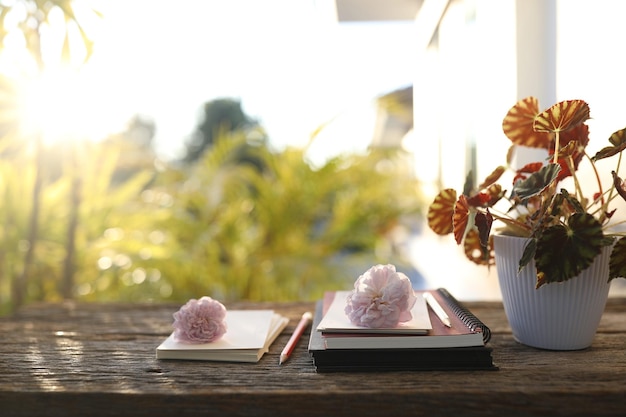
381 297
200 321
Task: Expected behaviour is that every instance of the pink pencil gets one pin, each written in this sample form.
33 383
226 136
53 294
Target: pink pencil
304 322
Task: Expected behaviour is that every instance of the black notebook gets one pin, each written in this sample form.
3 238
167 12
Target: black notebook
387 357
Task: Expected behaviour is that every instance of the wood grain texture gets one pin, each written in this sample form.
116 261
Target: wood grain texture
99 360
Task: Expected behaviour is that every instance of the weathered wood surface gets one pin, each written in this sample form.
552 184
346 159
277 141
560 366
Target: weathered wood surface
99 360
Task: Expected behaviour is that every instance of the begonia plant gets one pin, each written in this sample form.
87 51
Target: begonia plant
566 230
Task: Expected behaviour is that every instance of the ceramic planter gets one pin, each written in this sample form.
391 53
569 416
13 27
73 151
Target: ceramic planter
557 316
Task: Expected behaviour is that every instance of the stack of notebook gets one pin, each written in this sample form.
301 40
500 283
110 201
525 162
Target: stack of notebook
424 343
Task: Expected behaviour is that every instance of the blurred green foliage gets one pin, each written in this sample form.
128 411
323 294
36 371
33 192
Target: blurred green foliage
218 227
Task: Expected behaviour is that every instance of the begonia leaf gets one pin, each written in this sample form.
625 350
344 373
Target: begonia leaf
562 116
528 254
618 139
483 222
619 184
564 251
460 218
479 200
492 178
475 251
496 193
510 154
529 168
537 181
570 155
564 205
569 149
578 134
441 210
518 125
578 208
617 262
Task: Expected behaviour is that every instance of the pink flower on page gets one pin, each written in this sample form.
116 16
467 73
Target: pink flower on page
200 321
381 297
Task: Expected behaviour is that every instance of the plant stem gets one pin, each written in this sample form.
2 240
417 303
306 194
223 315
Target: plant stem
572 169
556 148
595 171
619 162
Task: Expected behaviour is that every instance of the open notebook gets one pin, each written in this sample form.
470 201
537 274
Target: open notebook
335 319
249 336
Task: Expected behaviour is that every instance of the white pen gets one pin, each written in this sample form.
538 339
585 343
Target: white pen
439 311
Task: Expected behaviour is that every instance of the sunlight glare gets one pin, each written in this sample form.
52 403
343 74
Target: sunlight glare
60 107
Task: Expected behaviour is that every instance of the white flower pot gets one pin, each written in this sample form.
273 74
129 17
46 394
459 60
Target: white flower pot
556 316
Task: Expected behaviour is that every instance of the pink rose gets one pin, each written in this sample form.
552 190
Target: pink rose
381 297
200 321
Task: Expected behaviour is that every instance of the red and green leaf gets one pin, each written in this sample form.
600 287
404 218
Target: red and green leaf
578 134
537 182
510 154
492 178
496 193
483 222
460 218
576 139
441 210
562 116
569 150
529 168
479 200
518 125
475 251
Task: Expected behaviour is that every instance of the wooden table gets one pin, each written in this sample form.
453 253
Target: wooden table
99 360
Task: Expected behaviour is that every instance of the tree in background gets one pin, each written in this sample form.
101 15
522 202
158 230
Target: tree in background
222 117
135 143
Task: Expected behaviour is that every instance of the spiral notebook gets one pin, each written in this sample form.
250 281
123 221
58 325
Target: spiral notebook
466 331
